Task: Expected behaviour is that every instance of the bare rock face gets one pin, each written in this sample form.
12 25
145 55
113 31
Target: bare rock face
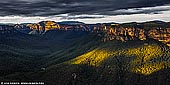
44 26
125 34
162 35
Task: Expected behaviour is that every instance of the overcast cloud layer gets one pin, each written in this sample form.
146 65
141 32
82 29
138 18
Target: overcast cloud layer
79 9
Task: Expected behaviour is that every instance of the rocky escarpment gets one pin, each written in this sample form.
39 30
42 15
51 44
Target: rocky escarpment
157 30
117 32
43 26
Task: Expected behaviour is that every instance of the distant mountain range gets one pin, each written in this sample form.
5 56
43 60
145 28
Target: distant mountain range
157 30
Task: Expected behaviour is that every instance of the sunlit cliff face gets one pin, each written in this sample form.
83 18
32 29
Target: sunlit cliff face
162 35
145 60
125 34
129 33
44 26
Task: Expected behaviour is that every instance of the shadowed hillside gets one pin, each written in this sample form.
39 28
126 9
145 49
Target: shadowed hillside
111 62
120 64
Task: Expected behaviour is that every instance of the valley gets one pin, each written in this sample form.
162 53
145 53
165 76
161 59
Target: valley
78 54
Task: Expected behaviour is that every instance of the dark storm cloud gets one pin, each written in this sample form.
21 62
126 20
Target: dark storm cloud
81 17
77 7
146 10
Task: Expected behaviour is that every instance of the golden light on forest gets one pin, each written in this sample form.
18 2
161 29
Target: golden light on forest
93 58
148 68
142 62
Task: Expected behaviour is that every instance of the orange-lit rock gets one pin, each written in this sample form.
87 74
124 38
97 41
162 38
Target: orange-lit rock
44 26
124 34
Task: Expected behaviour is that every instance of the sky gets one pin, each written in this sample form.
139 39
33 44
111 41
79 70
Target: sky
88 11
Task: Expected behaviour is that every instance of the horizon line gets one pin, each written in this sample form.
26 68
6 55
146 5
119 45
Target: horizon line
87 23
